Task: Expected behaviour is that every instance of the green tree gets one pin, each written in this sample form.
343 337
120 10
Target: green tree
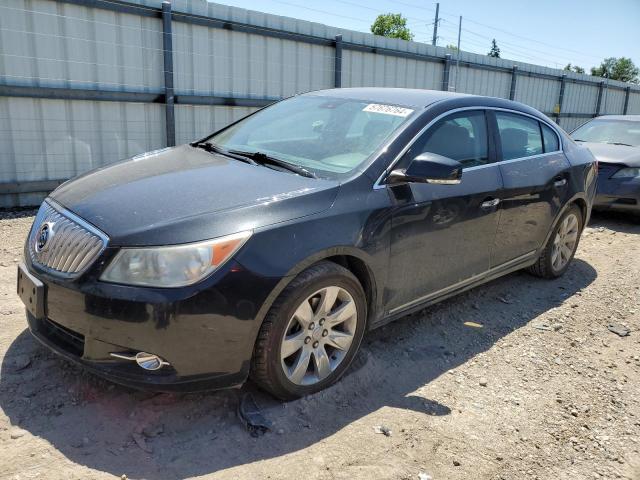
392 25
453 47
622 69
495 50
574 68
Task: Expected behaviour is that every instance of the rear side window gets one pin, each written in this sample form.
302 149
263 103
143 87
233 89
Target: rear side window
460 136
520 135
550 139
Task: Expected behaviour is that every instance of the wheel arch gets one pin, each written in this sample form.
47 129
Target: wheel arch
582 203
579 200
353 259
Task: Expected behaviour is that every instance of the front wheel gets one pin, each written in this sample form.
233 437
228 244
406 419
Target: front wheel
561 246
311 333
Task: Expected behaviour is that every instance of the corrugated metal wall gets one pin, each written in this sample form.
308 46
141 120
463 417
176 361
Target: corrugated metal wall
52 44
368 69
197 121
47 43
634 103
214 61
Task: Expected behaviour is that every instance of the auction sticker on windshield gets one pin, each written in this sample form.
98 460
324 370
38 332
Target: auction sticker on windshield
388 110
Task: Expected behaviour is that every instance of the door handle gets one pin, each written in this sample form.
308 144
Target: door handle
490 203
560 183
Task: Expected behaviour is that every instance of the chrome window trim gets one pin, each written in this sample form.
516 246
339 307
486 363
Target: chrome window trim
378 183
512 160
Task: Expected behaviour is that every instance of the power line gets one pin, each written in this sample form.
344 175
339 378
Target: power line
413 6
366 7
517 47
519 50
555 47
450 40
317 10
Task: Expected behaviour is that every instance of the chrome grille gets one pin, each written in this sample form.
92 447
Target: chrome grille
71 244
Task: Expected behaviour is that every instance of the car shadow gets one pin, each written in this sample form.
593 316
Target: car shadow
169 436
618 221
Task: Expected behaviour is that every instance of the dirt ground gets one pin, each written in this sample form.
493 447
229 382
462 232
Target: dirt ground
539 388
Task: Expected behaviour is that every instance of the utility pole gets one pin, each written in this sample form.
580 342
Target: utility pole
435 26
458 53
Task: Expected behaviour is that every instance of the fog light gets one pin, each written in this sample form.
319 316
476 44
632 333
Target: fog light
145 360
148 361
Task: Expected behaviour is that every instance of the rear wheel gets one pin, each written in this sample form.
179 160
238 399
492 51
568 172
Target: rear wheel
311 333
561 246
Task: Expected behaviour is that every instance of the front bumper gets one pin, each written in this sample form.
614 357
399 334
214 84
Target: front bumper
206 332
620 194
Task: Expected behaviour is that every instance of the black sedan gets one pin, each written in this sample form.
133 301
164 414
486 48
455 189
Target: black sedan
615 142
268 248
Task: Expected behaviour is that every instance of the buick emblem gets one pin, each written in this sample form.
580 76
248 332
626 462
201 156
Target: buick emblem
44 235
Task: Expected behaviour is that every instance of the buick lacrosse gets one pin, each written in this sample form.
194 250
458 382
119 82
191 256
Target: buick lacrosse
267 249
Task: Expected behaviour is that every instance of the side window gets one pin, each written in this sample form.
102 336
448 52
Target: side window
460 136
550 139
520 135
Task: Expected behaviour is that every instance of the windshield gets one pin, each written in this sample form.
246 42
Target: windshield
324 135
609 131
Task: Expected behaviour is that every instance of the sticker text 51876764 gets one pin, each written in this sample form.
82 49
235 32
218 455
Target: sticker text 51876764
388 110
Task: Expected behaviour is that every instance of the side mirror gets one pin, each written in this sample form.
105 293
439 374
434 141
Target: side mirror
428 168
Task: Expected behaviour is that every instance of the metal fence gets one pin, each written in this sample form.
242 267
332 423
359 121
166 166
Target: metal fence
84 83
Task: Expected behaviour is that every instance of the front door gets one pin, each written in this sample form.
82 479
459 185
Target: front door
442 234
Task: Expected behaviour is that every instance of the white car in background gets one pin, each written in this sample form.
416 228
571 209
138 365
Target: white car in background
615 141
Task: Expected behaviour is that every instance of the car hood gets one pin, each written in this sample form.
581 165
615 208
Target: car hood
608 153
185 194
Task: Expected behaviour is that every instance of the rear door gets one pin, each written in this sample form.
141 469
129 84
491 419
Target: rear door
442 235
535 174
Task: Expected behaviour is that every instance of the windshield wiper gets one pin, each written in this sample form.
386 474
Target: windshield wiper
619 143
578 140
263 158
211 148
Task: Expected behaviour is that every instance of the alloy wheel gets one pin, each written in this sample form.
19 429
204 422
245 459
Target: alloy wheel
318 336
564 242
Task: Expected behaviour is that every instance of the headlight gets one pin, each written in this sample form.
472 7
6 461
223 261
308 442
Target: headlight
172 266
627 173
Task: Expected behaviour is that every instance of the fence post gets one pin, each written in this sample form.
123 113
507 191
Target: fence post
514 79
563 83
167 45
337 69
445 73
599 101
626 100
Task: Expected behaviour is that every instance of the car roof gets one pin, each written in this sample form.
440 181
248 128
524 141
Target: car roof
409 97
629 118
419 99
423 99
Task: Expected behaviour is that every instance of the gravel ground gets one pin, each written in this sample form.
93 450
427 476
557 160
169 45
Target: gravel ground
536 387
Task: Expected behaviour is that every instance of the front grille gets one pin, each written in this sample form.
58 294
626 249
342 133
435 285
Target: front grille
65 338
62 242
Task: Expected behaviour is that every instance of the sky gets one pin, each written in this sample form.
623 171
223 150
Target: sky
544 32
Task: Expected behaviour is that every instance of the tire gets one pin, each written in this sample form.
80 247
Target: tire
312 288
545 266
